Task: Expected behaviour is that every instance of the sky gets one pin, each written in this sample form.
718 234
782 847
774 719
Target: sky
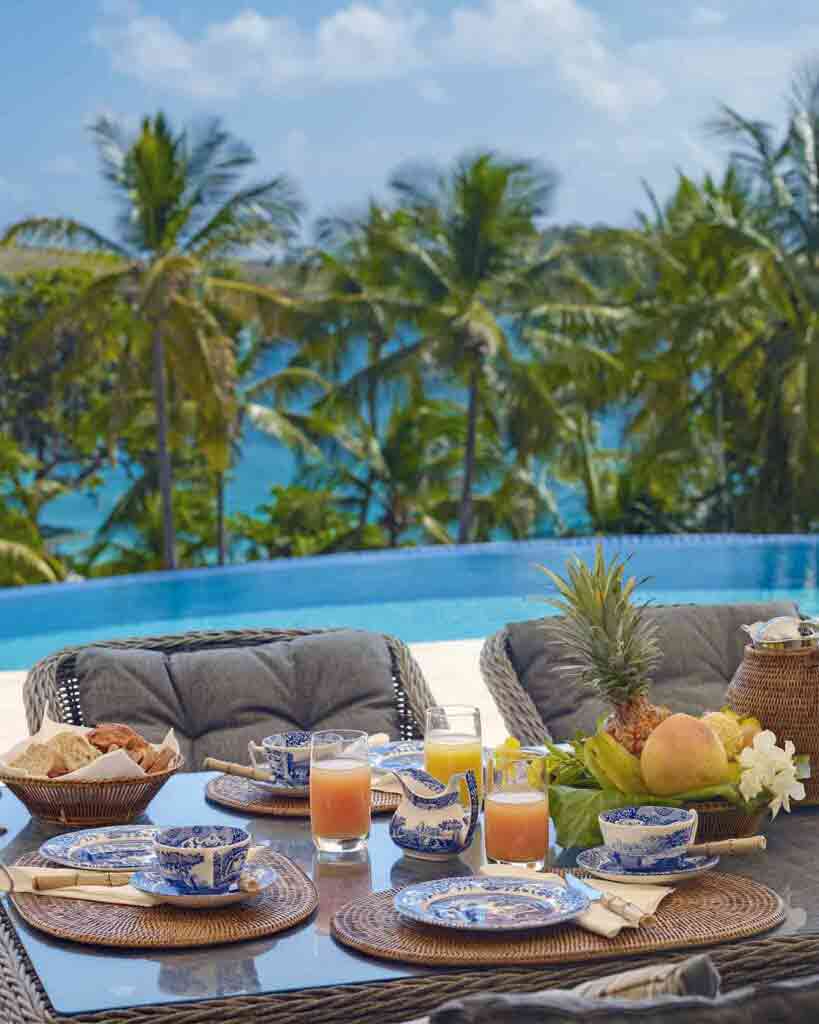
338 93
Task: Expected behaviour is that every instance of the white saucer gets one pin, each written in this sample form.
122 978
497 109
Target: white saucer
155 883
599 862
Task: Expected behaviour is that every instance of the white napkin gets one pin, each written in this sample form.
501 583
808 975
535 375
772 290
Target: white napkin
127 894
116 764
597 918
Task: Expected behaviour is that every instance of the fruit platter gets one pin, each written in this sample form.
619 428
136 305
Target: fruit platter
730 769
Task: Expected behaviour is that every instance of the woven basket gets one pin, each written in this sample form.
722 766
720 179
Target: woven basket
720 820
95 802
781 689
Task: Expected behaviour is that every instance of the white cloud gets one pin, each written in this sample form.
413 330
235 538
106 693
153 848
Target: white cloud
561 35
707 17
377 40
63 165
251 51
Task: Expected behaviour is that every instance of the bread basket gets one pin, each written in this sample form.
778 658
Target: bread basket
89 802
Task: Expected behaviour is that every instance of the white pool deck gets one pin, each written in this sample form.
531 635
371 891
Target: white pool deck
451 669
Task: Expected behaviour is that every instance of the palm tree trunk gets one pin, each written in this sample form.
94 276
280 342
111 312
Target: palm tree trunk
465 517
163 454
221 532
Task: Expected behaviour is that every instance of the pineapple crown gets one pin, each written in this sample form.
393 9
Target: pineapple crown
615 648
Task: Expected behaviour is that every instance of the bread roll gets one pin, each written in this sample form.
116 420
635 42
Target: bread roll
74 749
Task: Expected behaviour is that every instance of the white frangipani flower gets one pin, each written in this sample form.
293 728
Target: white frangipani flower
765 767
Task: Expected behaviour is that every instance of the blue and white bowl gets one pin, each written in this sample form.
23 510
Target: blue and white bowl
202 858
286 757
643 837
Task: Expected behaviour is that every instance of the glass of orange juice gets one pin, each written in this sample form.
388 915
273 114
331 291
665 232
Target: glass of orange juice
452 743
516 813
339 790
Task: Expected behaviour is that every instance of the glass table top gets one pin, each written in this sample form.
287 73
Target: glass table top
88 979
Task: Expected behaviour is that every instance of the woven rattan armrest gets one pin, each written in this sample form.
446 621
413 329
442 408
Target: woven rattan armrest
519 712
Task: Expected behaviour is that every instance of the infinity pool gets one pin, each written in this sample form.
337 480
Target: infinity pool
418 594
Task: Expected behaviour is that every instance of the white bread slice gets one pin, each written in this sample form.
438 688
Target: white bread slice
75 750
39 760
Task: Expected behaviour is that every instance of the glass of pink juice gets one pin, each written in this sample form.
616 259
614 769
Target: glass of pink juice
340 790
516 812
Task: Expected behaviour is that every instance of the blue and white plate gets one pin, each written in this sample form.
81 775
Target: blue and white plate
396 755
489 904
599 862
116 848
155 883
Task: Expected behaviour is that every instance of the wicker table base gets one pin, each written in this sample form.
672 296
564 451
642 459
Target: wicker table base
290 900
717 908
246 795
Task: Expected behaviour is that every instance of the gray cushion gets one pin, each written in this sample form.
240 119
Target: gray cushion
217 700
703 647
764 1004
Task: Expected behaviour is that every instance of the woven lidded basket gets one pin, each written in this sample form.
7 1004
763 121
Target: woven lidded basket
781 689
720 820
89 803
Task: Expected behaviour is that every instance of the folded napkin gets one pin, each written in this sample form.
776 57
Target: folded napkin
597 918
23 878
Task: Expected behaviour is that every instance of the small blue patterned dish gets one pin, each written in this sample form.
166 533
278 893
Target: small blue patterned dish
156 884
286 758
199 858
642 837
399 754
599 862
115 848
489 904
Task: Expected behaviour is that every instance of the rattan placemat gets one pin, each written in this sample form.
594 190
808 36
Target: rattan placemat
291 899
246 795
715 908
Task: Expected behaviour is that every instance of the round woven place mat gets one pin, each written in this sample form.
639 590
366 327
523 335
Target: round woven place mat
290 899
246 795
717 908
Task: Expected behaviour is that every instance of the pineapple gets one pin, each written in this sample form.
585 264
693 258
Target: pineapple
614 647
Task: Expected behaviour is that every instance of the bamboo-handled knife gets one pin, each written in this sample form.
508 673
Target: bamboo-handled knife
623 908
728 847
212 764
44 880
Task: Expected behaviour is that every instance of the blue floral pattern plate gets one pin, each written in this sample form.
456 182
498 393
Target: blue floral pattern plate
399 754
155 883
116 848
599 862
489 904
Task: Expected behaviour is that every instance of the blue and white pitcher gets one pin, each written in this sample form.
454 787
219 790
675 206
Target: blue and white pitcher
431 823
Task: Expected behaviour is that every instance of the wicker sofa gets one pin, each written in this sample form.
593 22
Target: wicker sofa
72 682
703 646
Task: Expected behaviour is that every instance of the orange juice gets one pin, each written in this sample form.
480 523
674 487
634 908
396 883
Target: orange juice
446 753
517 826
340 798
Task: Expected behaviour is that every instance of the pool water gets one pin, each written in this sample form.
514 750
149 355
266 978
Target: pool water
417 594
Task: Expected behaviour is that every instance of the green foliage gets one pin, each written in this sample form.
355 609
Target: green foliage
443 362
298 521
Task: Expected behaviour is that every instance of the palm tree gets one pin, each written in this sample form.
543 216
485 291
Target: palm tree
20 563
467 238
182 211
778 236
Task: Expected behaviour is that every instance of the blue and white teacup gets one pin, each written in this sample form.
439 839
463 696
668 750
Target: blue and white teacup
643 837
286 758
202 858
